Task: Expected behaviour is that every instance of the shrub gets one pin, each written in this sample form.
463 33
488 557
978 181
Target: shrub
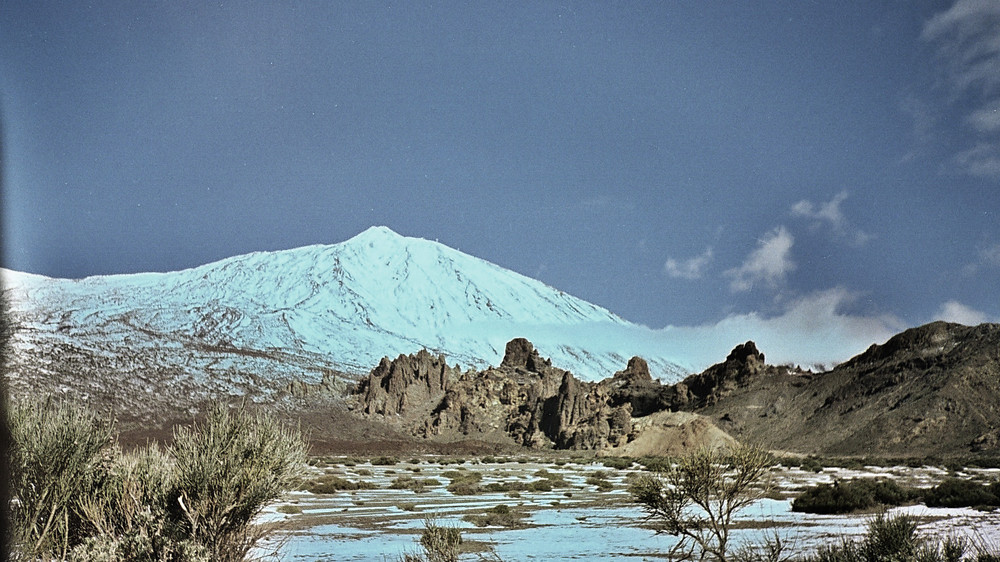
618 463
440 544
892 539
811 464
416 485
329 484
542 485
718 483
655 464
228 468
600 479
56 454
126 509
81 498
956 492
463 483
852 495
499 516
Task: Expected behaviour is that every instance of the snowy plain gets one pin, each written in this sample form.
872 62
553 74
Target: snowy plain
576 523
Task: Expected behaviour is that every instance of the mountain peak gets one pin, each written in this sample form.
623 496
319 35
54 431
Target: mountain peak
375 234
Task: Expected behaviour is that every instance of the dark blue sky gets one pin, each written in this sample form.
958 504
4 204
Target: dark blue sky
679 163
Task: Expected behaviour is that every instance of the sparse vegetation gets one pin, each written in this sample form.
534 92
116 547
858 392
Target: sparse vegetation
463 483
618 463
853 495
957 492
79 497
718 483
894 539
600 479
331 484
499 516
417 485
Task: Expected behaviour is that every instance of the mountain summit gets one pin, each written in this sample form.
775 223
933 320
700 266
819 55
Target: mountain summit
297 314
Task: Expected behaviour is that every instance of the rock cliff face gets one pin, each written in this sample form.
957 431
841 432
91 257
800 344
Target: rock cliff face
745 364
404 387
525 400
930 390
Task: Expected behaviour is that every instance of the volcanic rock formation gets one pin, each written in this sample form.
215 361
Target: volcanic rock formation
525 399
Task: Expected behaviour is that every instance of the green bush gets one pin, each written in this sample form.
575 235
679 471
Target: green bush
893 539
618 463
463 483
500 516
852 495
330 484
57 453
228 468
956 492
79 497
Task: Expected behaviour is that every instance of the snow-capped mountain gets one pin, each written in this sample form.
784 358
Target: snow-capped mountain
295 314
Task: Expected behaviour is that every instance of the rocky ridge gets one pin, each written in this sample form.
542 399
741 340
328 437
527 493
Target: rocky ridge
931 390
525 400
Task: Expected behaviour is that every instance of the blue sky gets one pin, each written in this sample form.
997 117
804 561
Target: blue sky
679 163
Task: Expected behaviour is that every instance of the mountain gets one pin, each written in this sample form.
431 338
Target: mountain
255 322
930 390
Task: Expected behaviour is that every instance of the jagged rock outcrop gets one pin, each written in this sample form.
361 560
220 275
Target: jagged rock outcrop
525 400
406 385
521 354
635 387
330 385
743 364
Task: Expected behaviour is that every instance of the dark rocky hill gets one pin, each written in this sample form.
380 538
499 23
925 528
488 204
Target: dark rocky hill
931 390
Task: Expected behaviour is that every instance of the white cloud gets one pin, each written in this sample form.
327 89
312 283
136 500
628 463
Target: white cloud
981 160
769 263
954 311
693 268
811 331
830 213
986 119
990 255
968 39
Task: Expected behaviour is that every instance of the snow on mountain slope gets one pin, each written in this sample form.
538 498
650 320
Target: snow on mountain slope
303 312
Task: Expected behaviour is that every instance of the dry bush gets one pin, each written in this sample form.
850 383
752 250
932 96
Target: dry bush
78 497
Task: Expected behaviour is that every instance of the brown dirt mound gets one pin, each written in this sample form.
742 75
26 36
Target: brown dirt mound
672 434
